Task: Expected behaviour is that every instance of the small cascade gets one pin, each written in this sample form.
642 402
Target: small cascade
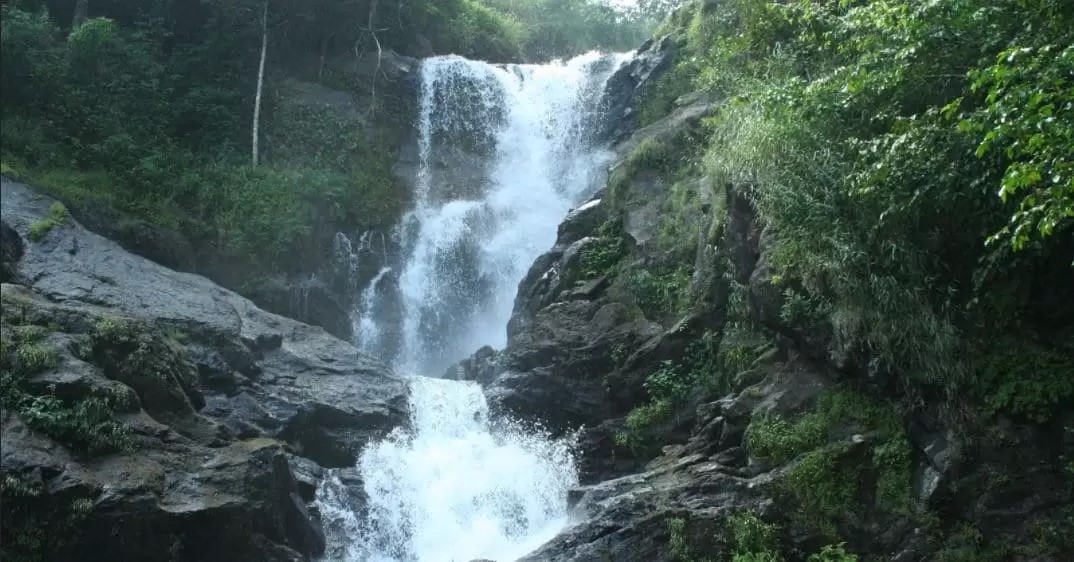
366 328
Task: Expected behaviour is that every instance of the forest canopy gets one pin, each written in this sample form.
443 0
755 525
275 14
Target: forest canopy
145 106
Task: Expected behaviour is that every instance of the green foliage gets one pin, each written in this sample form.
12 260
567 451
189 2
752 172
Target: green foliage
659 100
640 420
778 441
1054 535
825 483
603 256
1026 117
967 544
28 334
479 30
57 215
823 488
752 539
38 526
554 28
669 387
678 543
660 295
86 424
30 359
833 553
144 358
650 155
1024 379
874 158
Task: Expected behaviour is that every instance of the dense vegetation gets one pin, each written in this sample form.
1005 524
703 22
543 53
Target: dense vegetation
145 109
916 163
912 166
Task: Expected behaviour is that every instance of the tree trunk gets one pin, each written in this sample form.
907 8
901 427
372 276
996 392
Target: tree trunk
380 53
320 67
81 12
260 77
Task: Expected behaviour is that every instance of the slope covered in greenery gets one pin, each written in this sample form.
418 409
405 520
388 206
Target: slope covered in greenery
904 173
146 109
914 162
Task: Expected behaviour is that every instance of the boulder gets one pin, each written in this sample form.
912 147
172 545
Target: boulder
627 86
307 300
215 396
11 248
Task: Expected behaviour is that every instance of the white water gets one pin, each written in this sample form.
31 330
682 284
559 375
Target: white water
366 328
452 487
467 253
455 489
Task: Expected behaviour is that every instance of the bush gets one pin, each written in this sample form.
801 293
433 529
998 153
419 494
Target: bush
602 256
825 484
660 295
57 215
833 553
87 424
1024 379
752 538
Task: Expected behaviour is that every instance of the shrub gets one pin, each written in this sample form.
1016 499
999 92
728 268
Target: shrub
825 483
750 536
660 295
650 155
833 553
1024 379
640 420
602 256
86 424
30 359
57 215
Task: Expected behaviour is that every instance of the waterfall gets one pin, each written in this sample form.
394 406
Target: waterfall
504 152
452 488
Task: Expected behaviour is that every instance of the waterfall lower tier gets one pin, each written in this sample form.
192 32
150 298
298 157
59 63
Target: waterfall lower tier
455 487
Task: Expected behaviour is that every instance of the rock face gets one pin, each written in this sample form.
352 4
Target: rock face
579 347
666 277
11 249
157 412
630 84
311 287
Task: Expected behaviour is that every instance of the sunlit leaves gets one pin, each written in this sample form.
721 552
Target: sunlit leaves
1028 117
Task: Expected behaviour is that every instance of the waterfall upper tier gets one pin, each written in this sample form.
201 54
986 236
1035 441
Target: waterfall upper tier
504 151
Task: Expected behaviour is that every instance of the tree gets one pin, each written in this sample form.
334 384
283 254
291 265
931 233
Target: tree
260 77
81 12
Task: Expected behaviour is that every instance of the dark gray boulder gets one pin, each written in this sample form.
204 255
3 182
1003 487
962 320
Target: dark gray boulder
216 394
11 249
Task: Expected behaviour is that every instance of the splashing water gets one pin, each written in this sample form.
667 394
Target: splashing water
455 489
504 153
366 327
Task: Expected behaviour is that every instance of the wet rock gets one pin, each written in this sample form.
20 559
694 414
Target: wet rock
583 221
11 248
307 300
629 84
477 367
225 404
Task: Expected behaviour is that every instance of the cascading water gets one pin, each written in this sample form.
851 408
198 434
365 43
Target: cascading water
504 153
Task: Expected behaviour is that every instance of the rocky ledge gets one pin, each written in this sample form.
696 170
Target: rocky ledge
151 414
